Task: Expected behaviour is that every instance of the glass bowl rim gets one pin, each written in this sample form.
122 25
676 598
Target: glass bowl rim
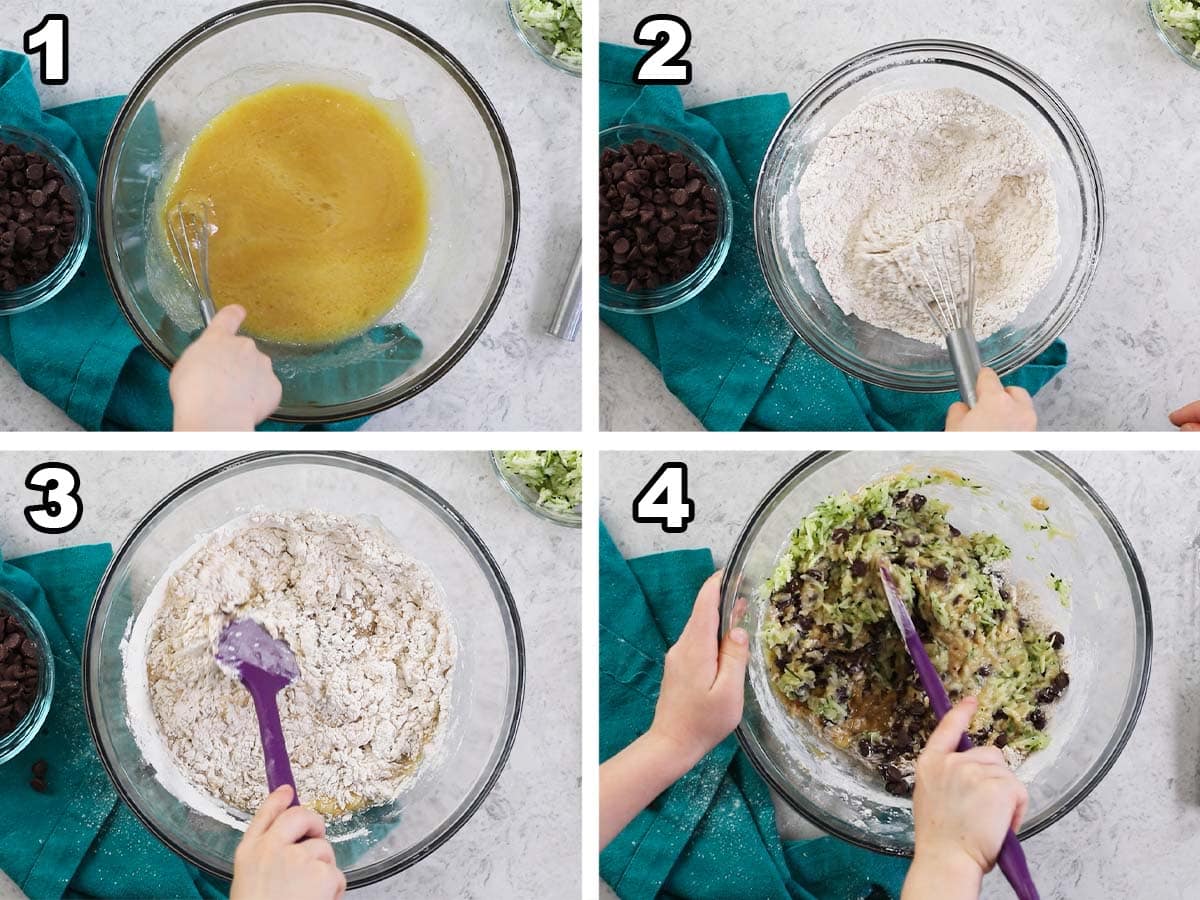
1161 28
534 42
501 750
53 282
1131 713
223 21
1091 245
710 266
571 520
45 691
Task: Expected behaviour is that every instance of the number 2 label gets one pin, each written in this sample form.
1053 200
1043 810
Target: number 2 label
664 500
49 41
670 37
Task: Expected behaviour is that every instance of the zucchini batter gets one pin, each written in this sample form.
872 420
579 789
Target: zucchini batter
836 658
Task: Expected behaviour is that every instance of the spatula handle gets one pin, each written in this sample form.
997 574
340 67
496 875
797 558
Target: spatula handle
270 729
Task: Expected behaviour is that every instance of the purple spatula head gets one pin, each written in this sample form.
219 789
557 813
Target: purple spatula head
265 665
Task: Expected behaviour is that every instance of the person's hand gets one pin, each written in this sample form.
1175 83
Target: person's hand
1187 418
963 807
284 854
997 408
700 701
223 382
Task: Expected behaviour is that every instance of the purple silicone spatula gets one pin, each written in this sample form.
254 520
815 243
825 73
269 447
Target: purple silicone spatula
265 666
1012 858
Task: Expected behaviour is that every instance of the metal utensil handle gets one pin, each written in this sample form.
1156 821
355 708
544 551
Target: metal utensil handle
569 312
964 356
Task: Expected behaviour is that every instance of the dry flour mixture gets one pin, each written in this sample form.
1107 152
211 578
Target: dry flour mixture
373 643
903 160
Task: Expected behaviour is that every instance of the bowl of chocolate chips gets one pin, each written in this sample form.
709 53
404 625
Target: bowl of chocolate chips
26 676
665 219
44 221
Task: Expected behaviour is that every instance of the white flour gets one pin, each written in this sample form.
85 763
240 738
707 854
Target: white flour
373 644
901 161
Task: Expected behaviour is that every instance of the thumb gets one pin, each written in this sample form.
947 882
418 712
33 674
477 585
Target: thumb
228 319
955 414
988 382
945 737
733 656
273 807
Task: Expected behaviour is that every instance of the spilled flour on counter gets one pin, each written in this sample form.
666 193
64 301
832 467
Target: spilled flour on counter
901 161
373 644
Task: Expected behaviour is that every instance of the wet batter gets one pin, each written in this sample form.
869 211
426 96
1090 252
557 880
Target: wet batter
321 210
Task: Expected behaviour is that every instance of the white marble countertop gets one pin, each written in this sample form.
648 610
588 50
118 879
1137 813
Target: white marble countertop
524 842
1138 833
1132 345
113 43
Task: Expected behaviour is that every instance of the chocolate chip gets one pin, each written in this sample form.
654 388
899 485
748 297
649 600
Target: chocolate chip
939 572
858 568
839 535
1001 741
37 218
917 502
1037 719
983 671
38 785
39 768
876 521
1061 680
1057 640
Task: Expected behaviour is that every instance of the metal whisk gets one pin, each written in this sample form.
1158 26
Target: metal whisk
944 256
188 229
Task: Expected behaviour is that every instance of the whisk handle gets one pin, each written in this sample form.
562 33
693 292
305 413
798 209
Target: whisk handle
964 356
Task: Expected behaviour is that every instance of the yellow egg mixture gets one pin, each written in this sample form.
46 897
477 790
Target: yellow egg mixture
321 210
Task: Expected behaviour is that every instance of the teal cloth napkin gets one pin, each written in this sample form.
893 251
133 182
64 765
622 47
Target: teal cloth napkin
77 839
712 835
78 350
728 354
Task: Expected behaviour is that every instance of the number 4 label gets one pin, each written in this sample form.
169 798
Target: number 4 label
670 37
49 41
664 500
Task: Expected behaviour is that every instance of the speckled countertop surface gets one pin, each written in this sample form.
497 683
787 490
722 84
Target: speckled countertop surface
1138 833
1132 346
525 839
112 44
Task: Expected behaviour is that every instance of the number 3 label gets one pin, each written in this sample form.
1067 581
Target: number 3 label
670 37
664 500
61 507
49 41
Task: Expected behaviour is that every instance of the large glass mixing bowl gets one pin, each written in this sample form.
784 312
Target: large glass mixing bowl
472 179
487 680
878 355
1106 623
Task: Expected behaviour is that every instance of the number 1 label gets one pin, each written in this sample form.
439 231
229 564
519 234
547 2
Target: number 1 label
49 41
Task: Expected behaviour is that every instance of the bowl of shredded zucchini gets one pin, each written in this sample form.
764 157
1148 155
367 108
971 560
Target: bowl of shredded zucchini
548 483
1178 24
1027 595
552 29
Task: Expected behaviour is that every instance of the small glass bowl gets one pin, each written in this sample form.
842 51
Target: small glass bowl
541 48
18 739
35 294
641 303
1181 46
528 498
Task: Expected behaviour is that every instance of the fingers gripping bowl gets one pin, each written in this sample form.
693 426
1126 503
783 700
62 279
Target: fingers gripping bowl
470 175
487 680
1105 619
